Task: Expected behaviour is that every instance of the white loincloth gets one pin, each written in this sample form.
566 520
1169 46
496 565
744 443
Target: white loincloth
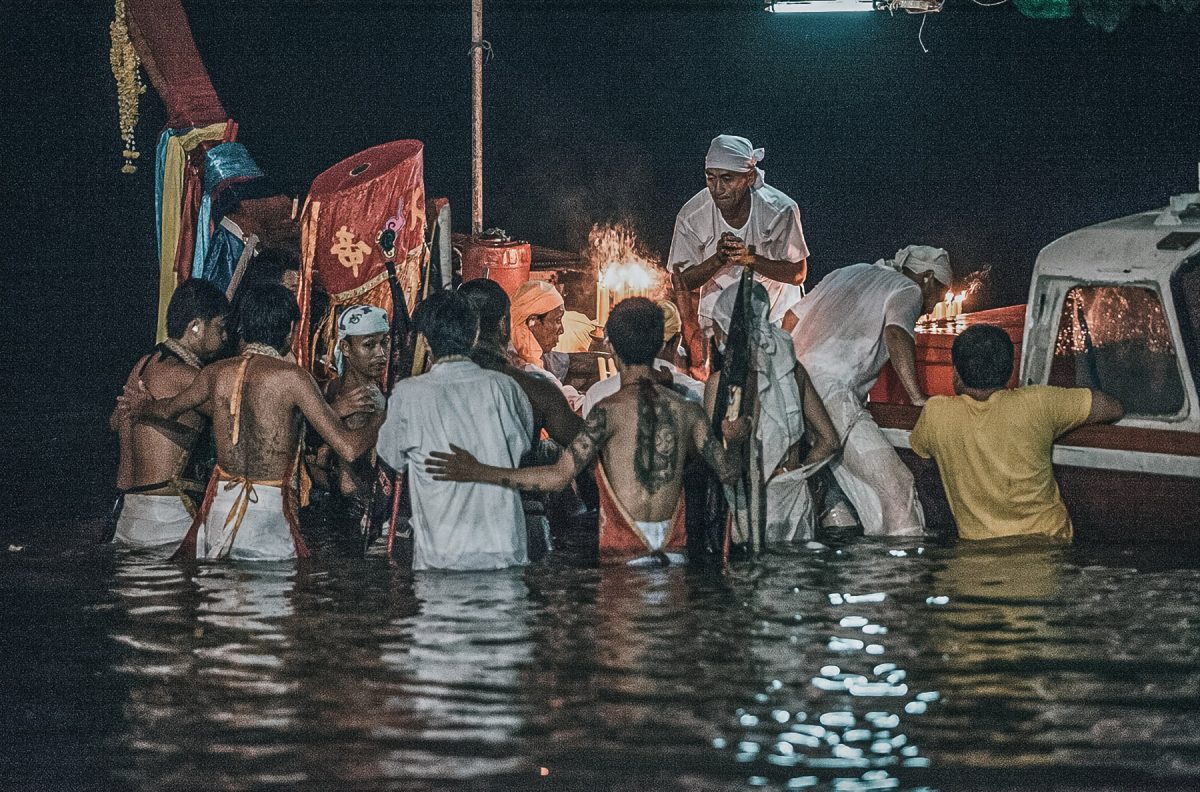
263 535
152 521
656 533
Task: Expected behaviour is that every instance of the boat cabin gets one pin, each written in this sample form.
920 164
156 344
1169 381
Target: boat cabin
1116 306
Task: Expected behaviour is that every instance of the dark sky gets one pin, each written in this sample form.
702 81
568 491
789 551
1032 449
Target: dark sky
1009 133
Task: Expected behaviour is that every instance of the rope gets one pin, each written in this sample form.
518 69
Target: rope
482 44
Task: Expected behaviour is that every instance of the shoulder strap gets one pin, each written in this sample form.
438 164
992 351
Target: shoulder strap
235 400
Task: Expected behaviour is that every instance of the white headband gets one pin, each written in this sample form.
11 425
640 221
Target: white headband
358 320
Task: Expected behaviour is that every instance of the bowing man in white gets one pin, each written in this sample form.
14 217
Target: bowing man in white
457 404
736 210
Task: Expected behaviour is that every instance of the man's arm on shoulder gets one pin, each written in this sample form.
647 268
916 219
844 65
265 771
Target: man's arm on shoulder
460 465
139 401
349 444
119 418
561 422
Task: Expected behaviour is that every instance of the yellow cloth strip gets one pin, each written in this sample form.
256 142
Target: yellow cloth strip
178 147
235 401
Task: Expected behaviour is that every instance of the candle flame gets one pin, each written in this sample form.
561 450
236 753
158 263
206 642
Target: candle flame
949 296
621 261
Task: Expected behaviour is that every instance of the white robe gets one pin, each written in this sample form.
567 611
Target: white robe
780 422
460 525
152 521
839 340
773 228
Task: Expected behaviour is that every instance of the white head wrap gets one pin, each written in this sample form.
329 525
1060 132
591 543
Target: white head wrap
358 320
671 321
737 154
534 298
781 411
922 258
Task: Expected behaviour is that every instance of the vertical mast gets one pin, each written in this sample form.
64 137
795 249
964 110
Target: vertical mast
477 47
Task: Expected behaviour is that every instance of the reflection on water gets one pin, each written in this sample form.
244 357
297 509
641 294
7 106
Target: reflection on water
874 667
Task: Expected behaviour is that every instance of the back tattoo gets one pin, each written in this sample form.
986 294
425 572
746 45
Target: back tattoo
654 460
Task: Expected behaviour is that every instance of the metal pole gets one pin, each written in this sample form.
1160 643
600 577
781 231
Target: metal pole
477 46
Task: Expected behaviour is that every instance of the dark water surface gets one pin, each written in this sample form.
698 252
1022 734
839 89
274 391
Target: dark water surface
877 667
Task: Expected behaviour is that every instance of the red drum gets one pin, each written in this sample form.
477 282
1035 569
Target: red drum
501 259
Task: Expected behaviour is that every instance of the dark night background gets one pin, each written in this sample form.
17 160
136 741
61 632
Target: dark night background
1009 133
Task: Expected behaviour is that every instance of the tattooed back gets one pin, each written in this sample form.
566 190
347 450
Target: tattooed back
643 435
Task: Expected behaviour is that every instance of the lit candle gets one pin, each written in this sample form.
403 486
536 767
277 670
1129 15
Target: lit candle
958 302
939 312
599 298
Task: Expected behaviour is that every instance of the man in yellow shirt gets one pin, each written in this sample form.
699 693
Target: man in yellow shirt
993 445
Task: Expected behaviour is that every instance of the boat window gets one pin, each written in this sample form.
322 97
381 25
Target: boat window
1116 339
1185 285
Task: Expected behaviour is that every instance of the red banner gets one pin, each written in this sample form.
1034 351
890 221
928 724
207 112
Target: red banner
347 207
353 201
162 37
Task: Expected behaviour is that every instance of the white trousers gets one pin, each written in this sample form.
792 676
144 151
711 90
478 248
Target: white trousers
152 521
789 508
880 486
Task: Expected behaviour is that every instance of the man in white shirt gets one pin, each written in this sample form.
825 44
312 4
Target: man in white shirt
690 389
457 403
856 320
715 230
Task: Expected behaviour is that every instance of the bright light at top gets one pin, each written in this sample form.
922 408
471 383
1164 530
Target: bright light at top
819 6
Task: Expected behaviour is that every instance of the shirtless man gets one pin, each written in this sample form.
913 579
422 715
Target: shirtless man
361 358
643 435
256 401
153 475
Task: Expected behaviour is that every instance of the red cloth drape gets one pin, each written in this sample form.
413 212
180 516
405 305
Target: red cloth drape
161 35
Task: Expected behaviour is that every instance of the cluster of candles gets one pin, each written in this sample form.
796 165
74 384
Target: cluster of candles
619 281
948 309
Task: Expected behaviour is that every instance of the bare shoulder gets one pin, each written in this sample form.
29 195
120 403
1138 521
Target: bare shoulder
168 377
286 372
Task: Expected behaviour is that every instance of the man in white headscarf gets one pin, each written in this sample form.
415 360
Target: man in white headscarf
856 320
736 212
786 401
361 359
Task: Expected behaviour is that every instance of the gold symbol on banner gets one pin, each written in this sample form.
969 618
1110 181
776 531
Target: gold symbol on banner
416 209
349 253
